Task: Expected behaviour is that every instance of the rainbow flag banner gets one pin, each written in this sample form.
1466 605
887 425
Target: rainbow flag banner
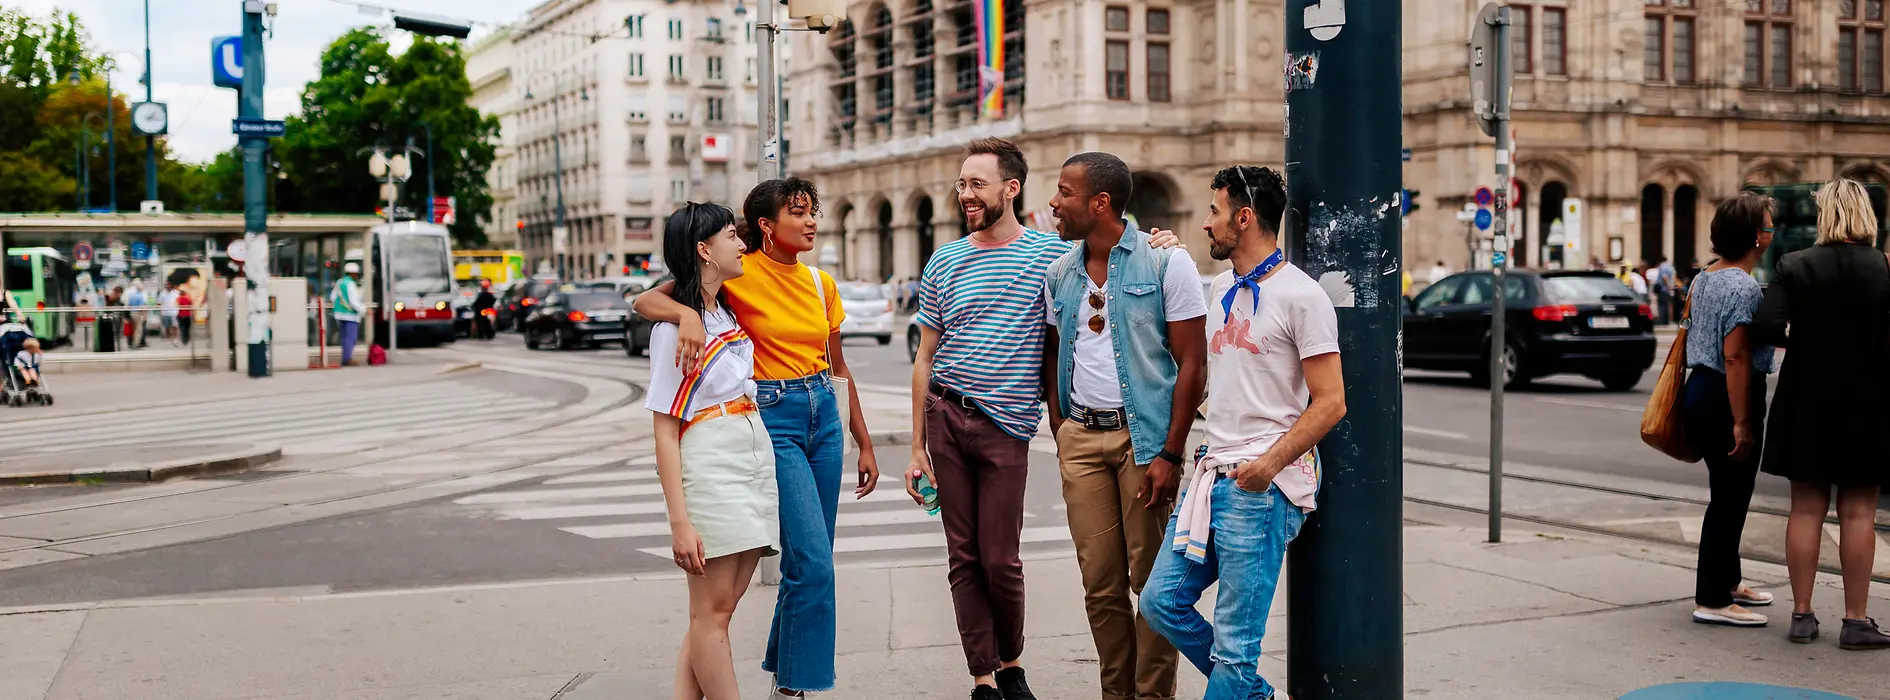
990 16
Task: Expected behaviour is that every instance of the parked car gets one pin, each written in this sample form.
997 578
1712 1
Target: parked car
576 318
636 328
869 312
1556 322
627 287
519 300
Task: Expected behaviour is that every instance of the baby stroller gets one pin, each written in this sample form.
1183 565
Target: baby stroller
14 391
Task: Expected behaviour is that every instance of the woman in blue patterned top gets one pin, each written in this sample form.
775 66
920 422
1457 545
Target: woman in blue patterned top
1724 403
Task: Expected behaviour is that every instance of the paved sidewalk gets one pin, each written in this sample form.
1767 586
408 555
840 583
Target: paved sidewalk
1546 616
106 392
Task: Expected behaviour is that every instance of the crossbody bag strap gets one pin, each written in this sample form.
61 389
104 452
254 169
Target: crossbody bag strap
820 290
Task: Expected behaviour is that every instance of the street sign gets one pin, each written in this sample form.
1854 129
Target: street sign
1484 219
238 251
258 128
1487 56
1572 222
226 62
82 254
140 251
443 210
1485 196
1498 258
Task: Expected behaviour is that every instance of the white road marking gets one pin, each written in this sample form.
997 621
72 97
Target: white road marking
874 518
1593 404
888 543
644 474
1435 433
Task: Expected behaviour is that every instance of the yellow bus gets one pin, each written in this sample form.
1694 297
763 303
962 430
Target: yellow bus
500 266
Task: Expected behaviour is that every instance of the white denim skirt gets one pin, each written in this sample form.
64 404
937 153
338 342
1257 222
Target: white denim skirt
728 485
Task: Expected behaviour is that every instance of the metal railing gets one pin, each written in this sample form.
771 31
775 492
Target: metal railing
86 333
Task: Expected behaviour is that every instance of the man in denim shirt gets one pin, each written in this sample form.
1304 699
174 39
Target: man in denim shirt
1273 351
1125 361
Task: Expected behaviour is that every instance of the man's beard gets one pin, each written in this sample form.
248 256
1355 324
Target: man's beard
989 217
1218 251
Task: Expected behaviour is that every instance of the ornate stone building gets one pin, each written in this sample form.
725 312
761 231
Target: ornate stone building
884 104
1649 112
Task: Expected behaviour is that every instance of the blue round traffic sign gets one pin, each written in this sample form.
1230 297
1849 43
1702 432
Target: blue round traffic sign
1484 219
139 250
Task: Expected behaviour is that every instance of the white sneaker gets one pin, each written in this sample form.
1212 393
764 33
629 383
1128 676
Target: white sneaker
1734 616
1754 600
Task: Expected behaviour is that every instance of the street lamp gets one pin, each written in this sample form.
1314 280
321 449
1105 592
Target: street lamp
558 231
85 164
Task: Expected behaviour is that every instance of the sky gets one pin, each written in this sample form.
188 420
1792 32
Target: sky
181 31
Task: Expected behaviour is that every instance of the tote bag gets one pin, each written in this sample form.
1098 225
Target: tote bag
1662 424
842 397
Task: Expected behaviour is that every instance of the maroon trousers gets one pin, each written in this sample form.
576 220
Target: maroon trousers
981 475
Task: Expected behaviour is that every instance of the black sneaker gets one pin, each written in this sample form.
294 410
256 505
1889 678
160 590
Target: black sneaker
985 692
1011 682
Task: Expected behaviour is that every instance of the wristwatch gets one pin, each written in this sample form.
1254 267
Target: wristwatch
1172 458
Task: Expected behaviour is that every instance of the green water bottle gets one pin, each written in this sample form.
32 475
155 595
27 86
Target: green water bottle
927 492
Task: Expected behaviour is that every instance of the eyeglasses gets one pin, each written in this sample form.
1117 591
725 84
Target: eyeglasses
1096 320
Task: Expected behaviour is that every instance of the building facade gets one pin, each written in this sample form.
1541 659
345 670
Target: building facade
489 70
1639 115
630 108
1648 113
885 103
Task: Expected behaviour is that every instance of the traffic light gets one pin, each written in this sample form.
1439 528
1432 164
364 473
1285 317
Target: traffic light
1410 202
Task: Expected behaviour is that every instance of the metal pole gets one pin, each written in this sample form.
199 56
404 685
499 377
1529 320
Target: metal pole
150 142
1499 264
767 94
387 265
429 154
557 164
111 146
1344 173
79 169
255 195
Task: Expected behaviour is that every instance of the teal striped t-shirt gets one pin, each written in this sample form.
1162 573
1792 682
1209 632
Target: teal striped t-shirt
986 302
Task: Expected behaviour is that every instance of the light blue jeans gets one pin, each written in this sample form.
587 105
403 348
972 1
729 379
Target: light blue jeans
1245 553
804 423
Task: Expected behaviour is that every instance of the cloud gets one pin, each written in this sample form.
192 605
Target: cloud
180 47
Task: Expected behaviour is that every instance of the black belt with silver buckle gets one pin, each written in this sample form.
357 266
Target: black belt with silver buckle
1102 419
954 396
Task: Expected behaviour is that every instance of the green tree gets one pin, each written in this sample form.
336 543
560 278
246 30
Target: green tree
367 97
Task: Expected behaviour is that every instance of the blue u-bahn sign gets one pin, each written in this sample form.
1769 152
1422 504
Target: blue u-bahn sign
226 61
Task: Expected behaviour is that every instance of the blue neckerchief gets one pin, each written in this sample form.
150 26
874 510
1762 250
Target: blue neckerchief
1250 280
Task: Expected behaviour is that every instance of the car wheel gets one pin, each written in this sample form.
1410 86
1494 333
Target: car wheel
1515 375
885 340
912 345
1621 381
558 341
531 341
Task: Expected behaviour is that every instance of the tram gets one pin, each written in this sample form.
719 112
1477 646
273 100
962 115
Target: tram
40 278
412 261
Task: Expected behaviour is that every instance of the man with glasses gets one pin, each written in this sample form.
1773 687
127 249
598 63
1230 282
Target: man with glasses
1273 353
977 401
1126 362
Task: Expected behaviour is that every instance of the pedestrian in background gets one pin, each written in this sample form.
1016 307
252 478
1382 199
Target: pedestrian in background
1724 403
1829 305
792 313
1667 286
482 306
712 451
346 299
1279 387
1127 325
1635 280
167 311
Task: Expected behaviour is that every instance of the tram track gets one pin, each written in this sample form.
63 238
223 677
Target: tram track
634 393
1607 531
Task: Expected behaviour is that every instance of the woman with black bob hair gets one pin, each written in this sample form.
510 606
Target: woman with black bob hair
793 314
1724 402
712 449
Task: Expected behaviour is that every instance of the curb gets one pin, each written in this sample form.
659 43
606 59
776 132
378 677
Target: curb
224 463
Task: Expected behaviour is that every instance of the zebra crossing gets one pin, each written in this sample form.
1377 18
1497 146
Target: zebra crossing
309 423
625 502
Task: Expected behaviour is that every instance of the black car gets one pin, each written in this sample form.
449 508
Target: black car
519 300
1586 323
576 319
636 328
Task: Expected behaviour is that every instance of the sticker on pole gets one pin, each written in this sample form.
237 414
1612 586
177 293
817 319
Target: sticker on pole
1498 258
1484 219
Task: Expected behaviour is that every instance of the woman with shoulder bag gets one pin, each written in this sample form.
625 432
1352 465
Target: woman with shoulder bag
1724 403
1833 402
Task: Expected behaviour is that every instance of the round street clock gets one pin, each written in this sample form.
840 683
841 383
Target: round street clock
150 118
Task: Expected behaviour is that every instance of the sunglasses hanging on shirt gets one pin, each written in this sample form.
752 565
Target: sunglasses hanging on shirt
1096 319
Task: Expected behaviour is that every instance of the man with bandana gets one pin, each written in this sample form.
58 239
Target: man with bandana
1273 356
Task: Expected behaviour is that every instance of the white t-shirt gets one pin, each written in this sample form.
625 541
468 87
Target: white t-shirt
1259 386
167 299
1094 382
1639 284
727 368
1653 277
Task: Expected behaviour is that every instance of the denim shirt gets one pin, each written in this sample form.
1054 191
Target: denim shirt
1145 365
1722 301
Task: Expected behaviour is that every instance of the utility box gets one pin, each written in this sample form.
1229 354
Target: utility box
288 324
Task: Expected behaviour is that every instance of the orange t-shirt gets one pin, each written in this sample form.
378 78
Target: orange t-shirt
778 307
